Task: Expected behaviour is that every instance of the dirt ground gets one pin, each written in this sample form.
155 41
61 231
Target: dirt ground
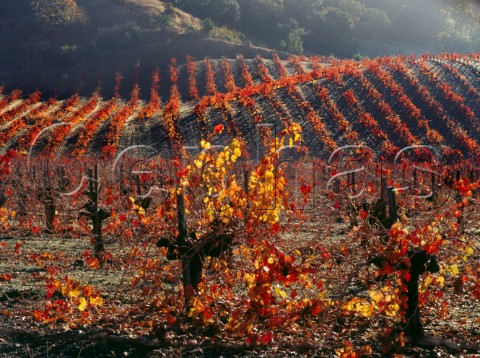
24 292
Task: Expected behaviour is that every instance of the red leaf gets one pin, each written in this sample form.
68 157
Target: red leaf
266 338
405 275
305 189
476 291
92 262
363 214
316 309
207 314
50 271
50 290
293 294
37 315
170 319
36 230
218 129
276 228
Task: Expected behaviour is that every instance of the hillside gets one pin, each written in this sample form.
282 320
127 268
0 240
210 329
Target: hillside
64 46
386 104
60 55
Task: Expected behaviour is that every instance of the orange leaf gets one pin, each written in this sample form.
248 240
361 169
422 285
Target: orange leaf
5 277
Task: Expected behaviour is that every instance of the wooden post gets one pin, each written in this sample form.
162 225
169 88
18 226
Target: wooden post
138 185
413 327
434 192
33 174
192 263
420 263
142 202
392 205
3 198
96 215
97 225
21 199
64 182
188 288
46 196
182 219
383 189
246 179
414 178
123 190
352 182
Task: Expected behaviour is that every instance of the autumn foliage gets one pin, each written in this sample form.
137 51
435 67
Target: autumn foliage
322 244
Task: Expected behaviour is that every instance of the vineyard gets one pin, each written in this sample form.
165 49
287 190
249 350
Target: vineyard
246 206
385 104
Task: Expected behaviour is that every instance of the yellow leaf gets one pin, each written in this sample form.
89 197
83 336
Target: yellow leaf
366 310
249 278
428 280
392 309
280 292
73 293
204 144
83 304
96 301
377 296
440 280
454 270
290 142
469 250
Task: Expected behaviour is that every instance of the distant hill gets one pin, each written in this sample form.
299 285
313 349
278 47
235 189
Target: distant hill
132 37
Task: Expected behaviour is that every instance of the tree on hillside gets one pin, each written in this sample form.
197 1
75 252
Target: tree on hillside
55 14
461 28
293 43
259 17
